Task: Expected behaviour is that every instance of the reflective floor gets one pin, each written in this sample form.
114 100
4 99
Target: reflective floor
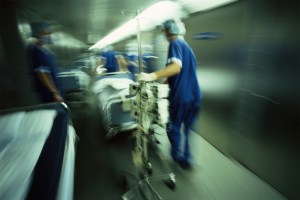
100 165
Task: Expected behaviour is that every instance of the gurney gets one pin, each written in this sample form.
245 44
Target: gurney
112 90
37 153
75 84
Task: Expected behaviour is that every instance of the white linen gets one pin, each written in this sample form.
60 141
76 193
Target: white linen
22 138
116 83
9 126
111 88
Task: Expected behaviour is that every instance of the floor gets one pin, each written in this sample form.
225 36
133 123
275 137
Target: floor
101 165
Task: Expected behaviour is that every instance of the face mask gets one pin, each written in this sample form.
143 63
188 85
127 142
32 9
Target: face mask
46 39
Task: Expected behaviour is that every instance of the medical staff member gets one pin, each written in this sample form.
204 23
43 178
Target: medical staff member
185 94
132 59
132 64
43 65
110 59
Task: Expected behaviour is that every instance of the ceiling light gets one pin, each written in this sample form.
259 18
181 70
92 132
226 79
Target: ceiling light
163 10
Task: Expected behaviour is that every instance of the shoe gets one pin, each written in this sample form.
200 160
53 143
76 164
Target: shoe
184 164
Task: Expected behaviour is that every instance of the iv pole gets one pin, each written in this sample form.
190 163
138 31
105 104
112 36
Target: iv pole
142 142
139 41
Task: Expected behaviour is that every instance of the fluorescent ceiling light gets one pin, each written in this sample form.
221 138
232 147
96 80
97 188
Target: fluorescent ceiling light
120 33
163 10
159 12
202 5
155 15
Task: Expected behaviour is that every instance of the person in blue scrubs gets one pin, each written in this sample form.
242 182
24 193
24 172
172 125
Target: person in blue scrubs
148 58
185 94
43 65
110 60
132 64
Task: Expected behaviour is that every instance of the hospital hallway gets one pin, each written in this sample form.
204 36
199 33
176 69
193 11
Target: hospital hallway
244 54
100 164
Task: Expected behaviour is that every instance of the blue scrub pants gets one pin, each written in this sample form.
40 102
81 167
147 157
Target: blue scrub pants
181 114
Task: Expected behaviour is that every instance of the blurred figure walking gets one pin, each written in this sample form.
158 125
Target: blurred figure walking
185 94
43 64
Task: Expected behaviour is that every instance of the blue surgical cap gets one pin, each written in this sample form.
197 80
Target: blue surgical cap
38 27
174 26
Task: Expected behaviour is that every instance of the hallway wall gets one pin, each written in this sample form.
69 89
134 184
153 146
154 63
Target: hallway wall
249 75
14 75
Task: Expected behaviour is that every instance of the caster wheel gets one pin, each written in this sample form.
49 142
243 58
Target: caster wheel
171 182
149 168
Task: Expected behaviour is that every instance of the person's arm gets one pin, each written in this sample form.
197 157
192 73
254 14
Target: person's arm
170 70
47 81
122 63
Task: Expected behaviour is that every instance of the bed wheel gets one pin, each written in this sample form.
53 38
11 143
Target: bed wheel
171 182
149 168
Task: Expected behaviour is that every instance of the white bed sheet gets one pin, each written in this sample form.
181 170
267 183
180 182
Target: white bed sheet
111 88
22 137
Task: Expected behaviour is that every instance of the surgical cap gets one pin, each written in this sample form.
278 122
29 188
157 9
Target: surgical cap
38 27
174 26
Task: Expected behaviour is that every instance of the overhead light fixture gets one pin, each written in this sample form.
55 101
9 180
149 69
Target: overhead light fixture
163 10
202 5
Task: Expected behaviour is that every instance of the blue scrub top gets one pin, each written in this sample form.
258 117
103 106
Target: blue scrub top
148 61
42 60
184 87
131 68
133 58
111 63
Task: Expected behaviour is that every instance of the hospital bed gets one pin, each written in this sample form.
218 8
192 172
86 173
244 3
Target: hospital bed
75 84
37 153
112 90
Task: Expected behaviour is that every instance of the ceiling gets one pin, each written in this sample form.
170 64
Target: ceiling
87 20
91 20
